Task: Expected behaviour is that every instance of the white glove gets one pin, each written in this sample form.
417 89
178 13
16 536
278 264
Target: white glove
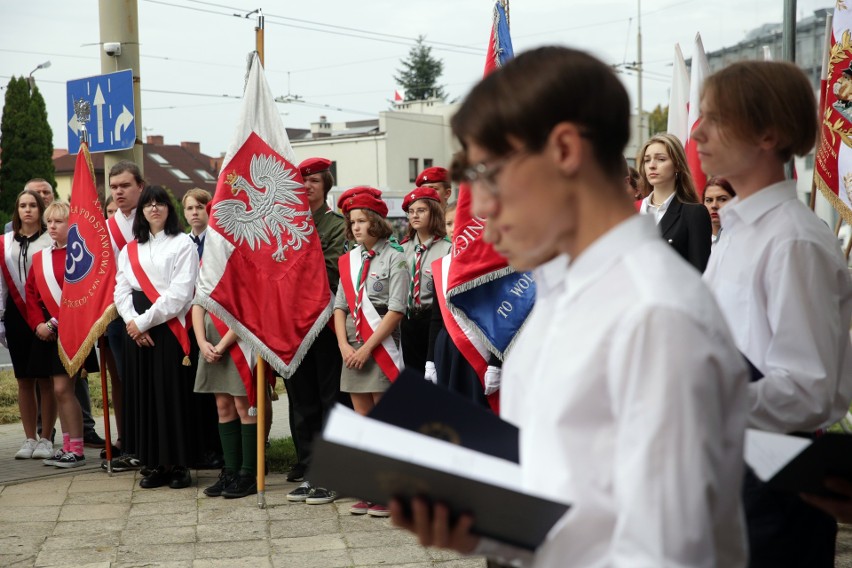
3 335
431 373
492 379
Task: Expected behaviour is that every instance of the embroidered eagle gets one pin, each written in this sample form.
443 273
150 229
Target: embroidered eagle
272 194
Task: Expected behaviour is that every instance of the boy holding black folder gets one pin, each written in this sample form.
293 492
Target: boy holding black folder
783 286
630 407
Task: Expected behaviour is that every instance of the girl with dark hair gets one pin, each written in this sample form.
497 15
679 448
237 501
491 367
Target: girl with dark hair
28 236
155 283
673 201
717 193
426 242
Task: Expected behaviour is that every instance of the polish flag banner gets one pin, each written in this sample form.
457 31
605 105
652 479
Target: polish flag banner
263 273
485 296
833 163
699 71
679 98
87 306
398 97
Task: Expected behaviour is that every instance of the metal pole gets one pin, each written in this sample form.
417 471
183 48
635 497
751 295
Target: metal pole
788 51
102 346
642 134
119 22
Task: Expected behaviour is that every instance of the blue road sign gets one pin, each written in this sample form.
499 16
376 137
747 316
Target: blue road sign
112 125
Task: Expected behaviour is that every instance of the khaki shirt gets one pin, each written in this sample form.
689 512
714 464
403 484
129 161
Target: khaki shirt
437 249
387 280
331 228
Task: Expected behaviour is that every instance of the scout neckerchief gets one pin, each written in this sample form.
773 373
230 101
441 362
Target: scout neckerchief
420 251
178 328
49 286
387 354
468 344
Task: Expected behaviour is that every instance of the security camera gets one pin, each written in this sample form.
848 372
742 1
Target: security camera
112 49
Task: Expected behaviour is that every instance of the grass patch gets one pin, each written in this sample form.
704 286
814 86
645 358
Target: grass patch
282 454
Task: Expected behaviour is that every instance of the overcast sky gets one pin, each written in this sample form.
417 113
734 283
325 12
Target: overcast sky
330 53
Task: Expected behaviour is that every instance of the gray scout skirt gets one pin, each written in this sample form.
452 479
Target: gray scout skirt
370 378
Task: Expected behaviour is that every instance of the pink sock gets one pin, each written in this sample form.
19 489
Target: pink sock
77 446
66 442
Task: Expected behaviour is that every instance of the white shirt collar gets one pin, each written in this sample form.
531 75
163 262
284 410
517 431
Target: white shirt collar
757 205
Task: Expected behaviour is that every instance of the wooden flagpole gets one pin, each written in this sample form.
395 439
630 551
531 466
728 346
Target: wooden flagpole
261 364
102 346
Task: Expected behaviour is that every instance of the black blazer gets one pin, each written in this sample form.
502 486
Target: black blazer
686 226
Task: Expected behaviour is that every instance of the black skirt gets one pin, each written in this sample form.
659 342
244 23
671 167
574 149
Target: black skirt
455 373
21 340
158 412
45 361
414 337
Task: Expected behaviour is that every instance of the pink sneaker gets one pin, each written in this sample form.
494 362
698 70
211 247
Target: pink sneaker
359 508
378 511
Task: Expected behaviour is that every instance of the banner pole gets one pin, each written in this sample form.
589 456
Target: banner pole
261 433
102 343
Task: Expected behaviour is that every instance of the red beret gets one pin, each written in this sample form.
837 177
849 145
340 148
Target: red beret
419 193
314 166
362 197
432 175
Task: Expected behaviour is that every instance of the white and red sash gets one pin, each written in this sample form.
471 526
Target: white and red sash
49 287
14 282
120 235
463 337
178 328
387 354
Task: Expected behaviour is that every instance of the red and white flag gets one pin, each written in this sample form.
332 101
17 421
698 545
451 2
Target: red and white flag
87 305
398 97
679 98
700 70
833 164
263 272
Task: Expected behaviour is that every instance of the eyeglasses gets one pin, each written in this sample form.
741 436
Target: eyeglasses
153 205
486 174
418 212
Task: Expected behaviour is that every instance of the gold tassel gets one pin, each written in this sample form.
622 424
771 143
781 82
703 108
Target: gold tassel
186 362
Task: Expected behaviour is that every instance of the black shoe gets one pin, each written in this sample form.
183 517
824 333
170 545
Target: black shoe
123 463
180 477
297 473
242 486
210 460
91 439
157 478
115 451
225 479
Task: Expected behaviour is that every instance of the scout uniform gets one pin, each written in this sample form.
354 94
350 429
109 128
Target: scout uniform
385 288
420 256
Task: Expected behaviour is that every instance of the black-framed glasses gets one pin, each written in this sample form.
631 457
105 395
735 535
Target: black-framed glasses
487 174
153 205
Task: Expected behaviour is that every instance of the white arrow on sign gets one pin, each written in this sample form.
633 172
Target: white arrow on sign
99 103
74 125
122 122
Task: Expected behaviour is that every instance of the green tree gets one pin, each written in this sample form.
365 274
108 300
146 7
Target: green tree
658 120
26 141
420 74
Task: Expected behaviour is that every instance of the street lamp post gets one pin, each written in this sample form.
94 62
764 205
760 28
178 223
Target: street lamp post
31 79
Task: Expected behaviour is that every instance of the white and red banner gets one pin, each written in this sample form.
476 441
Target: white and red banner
833 164
699 71
678 123
87 305
263 273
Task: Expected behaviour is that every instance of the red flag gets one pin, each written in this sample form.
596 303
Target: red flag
833 163
87 297
397 96
700 70
263 273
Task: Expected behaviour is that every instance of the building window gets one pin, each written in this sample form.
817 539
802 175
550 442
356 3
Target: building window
179 174
158 158
412 169
427 163
205 175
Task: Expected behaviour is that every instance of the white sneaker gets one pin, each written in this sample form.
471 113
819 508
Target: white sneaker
26 451
43 449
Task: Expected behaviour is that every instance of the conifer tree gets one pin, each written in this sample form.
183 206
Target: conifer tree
26 142
420 74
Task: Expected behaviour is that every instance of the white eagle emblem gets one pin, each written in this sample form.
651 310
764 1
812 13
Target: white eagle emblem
271 193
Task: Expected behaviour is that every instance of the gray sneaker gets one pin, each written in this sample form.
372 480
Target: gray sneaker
321 496
300 493
57 454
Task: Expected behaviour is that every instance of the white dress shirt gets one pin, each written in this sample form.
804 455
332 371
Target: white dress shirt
782 283
171 263
630 397
648 207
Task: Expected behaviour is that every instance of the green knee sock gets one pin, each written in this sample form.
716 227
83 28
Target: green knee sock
249 432
229 433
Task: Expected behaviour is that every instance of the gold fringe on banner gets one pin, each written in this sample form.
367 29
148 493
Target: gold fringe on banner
73 364
838 204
